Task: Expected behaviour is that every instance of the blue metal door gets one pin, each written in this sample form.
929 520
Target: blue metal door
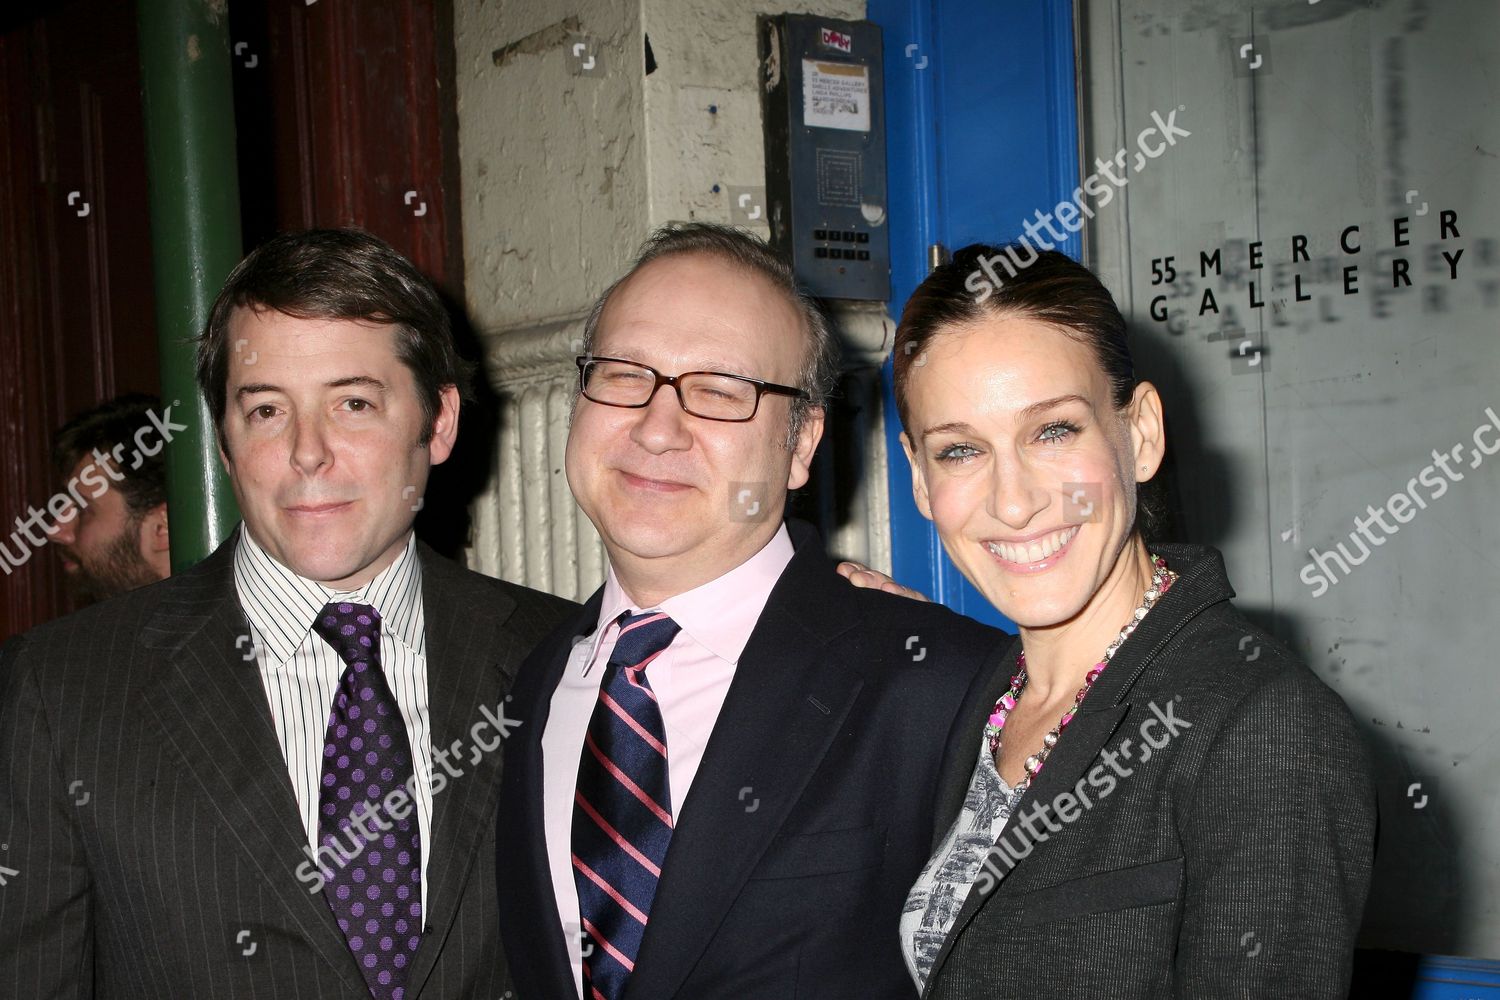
982 134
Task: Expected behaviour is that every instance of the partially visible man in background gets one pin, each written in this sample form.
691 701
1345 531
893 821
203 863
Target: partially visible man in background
115 539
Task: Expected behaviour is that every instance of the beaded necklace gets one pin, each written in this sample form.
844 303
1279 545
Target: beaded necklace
1161 579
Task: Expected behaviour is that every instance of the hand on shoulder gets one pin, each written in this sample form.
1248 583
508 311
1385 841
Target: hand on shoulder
863 576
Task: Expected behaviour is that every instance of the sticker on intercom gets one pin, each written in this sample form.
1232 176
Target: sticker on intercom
835 95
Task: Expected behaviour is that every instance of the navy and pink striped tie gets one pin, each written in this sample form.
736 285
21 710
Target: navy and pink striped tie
622 808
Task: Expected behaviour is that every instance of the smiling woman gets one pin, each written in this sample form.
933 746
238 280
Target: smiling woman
1028 435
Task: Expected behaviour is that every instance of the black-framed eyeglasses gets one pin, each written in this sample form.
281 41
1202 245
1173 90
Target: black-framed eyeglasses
710 395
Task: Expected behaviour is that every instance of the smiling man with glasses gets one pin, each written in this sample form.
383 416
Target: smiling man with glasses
725 784
711 395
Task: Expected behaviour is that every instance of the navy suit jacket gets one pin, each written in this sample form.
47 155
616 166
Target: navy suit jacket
808 820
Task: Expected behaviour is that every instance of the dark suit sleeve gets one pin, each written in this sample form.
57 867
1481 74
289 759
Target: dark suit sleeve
46 928
1279 844
537 614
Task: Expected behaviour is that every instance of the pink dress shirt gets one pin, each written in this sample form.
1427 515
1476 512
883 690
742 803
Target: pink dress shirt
690 678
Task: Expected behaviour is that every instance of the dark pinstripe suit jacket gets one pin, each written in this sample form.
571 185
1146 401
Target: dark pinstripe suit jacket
1226 854
146 806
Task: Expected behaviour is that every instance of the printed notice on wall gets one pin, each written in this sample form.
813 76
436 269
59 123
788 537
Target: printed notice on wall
835 95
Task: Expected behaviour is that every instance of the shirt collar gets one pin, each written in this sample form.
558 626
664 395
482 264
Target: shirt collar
720 614
282 606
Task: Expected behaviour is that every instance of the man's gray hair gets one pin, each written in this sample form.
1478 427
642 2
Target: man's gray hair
819 371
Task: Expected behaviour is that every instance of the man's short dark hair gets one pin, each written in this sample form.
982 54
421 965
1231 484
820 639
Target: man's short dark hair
338 274
819 371
117 422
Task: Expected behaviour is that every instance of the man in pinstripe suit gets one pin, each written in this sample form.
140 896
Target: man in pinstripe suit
274 774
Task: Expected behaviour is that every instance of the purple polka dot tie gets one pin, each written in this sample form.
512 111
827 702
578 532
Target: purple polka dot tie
376 894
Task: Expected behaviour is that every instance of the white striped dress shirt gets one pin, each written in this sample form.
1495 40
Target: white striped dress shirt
301 672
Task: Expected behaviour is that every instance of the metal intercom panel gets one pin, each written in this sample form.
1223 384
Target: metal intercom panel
822 87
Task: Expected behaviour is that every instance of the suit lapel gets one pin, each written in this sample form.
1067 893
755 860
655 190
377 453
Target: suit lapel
958 759
209 708
524 872
1086 736
464 673
789 698
1202 582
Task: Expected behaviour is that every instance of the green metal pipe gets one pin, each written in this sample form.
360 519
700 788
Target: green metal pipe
188 98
